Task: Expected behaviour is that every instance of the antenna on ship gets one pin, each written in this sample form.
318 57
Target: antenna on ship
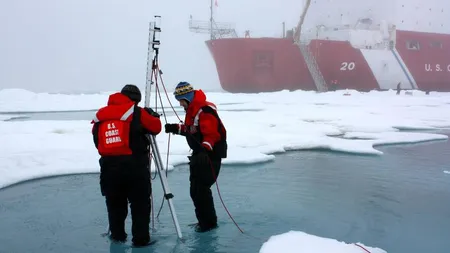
211 20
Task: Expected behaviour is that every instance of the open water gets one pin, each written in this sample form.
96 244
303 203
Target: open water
398 201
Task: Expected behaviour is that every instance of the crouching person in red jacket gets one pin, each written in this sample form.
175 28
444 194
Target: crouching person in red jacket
119 134
206 136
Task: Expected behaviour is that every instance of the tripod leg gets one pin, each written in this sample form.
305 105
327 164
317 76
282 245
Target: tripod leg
167 193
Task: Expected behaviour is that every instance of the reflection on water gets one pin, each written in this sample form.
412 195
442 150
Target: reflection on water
82 114
59 115
397 201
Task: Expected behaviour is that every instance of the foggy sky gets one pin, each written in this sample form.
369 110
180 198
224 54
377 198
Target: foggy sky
100 45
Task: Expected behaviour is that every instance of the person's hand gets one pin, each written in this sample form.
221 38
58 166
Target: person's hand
172 128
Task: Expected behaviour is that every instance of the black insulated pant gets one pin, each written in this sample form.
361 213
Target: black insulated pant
123 180
201 179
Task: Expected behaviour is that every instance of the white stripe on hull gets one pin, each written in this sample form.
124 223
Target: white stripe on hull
387 70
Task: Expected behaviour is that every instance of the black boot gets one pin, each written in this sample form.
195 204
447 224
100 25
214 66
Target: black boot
202 229
118 239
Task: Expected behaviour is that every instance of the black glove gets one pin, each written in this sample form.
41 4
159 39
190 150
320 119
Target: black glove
172 128
151 112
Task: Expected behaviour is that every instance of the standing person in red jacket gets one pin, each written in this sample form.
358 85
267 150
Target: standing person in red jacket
206 136
119 134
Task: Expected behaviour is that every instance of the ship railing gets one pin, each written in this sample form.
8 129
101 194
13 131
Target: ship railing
373 27
385 44
224 30
321 31
219 29
200 24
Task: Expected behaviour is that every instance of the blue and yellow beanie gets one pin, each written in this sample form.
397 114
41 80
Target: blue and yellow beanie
184 90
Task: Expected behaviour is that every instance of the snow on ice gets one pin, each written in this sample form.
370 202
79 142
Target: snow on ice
258 125
300 242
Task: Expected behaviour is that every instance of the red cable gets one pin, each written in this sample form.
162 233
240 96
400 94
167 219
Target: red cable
164 113
167 95
362 247
168 150
220 197
153 211
154 73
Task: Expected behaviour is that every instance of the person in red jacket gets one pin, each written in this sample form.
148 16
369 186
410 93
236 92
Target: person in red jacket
119 134
206 136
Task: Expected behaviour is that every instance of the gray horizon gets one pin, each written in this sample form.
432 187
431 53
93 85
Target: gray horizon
93 46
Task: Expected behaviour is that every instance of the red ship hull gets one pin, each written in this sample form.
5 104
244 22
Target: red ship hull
251 65
339 61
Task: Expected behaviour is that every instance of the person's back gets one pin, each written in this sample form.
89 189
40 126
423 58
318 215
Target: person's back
119 134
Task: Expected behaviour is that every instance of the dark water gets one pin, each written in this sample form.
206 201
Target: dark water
398 201
51 115
57 115
87 114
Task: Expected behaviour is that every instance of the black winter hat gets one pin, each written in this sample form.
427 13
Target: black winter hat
132 91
